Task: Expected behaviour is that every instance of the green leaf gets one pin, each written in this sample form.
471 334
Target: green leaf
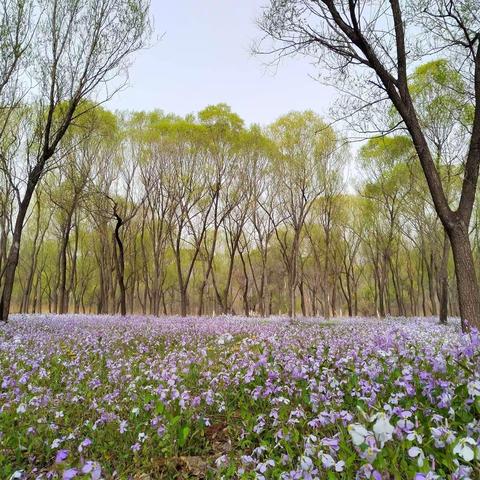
183 435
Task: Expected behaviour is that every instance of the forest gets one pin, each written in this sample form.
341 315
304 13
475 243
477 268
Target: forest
158 214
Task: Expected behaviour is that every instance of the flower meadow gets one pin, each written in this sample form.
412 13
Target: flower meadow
100 397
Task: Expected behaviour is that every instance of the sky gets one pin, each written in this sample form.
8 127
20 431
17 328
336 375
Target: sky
201 55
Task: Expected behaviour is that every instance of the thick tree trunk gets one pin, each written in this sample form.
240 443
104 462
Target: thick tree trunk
12 259
467 283
9 278
183 302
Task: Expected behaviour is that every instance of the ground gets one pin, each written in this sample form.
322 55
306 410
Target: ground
92 397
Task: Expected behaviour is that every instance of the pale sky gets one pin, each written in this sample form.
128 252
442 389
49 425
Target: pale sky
204 58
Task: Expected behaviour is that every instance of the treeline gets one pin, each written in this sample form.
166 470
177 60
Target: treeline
159 214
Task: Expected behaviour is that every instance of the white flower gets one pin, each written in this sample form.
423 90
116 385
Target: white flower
56 443
358 433
22 408
225 338
17 474
383 429
135 411
142 437
222 460
465 449
474 388
415 452
339 466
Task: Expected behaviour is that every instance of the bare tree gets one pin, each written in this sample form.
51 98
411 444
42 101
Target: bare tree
78 47
377 43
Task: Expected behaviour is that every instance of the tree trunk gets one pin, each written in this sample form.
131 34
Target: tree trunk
246 306
467 284
211 256
183 302
303 305
443 279
120 257
63 267
326 291
12 259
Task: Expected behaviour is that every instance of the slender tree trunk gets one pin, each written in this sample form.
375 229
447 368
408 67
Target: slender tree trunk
443 278
120 257
263 281
303 305
292 279
431 286
63 267
211 256
326 291
246 306
397 288
380 291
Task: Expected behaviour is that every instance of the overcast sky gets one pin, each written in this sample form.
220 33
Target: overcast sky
204 58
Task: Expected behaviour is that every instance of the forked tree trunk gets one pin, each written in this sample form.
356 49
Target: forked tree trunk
120 258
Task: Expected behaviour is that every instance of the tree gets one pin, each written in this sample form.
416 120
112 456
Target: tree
77 47
145 133
378 43
223 142
386 160
304 146
445 115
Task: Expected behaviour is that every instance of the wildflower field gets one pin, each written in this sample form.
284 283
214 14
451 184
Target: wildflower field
143 398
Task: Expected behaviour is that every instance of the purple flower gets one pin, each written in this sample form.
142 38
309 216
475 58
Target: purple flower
70 473
135 447
93 468
123 426
61 456
87 442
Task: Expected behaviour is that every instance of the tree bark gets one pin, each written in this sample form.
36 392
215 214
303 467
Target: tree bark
467 283
443 279
62 307
120 258
12 259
